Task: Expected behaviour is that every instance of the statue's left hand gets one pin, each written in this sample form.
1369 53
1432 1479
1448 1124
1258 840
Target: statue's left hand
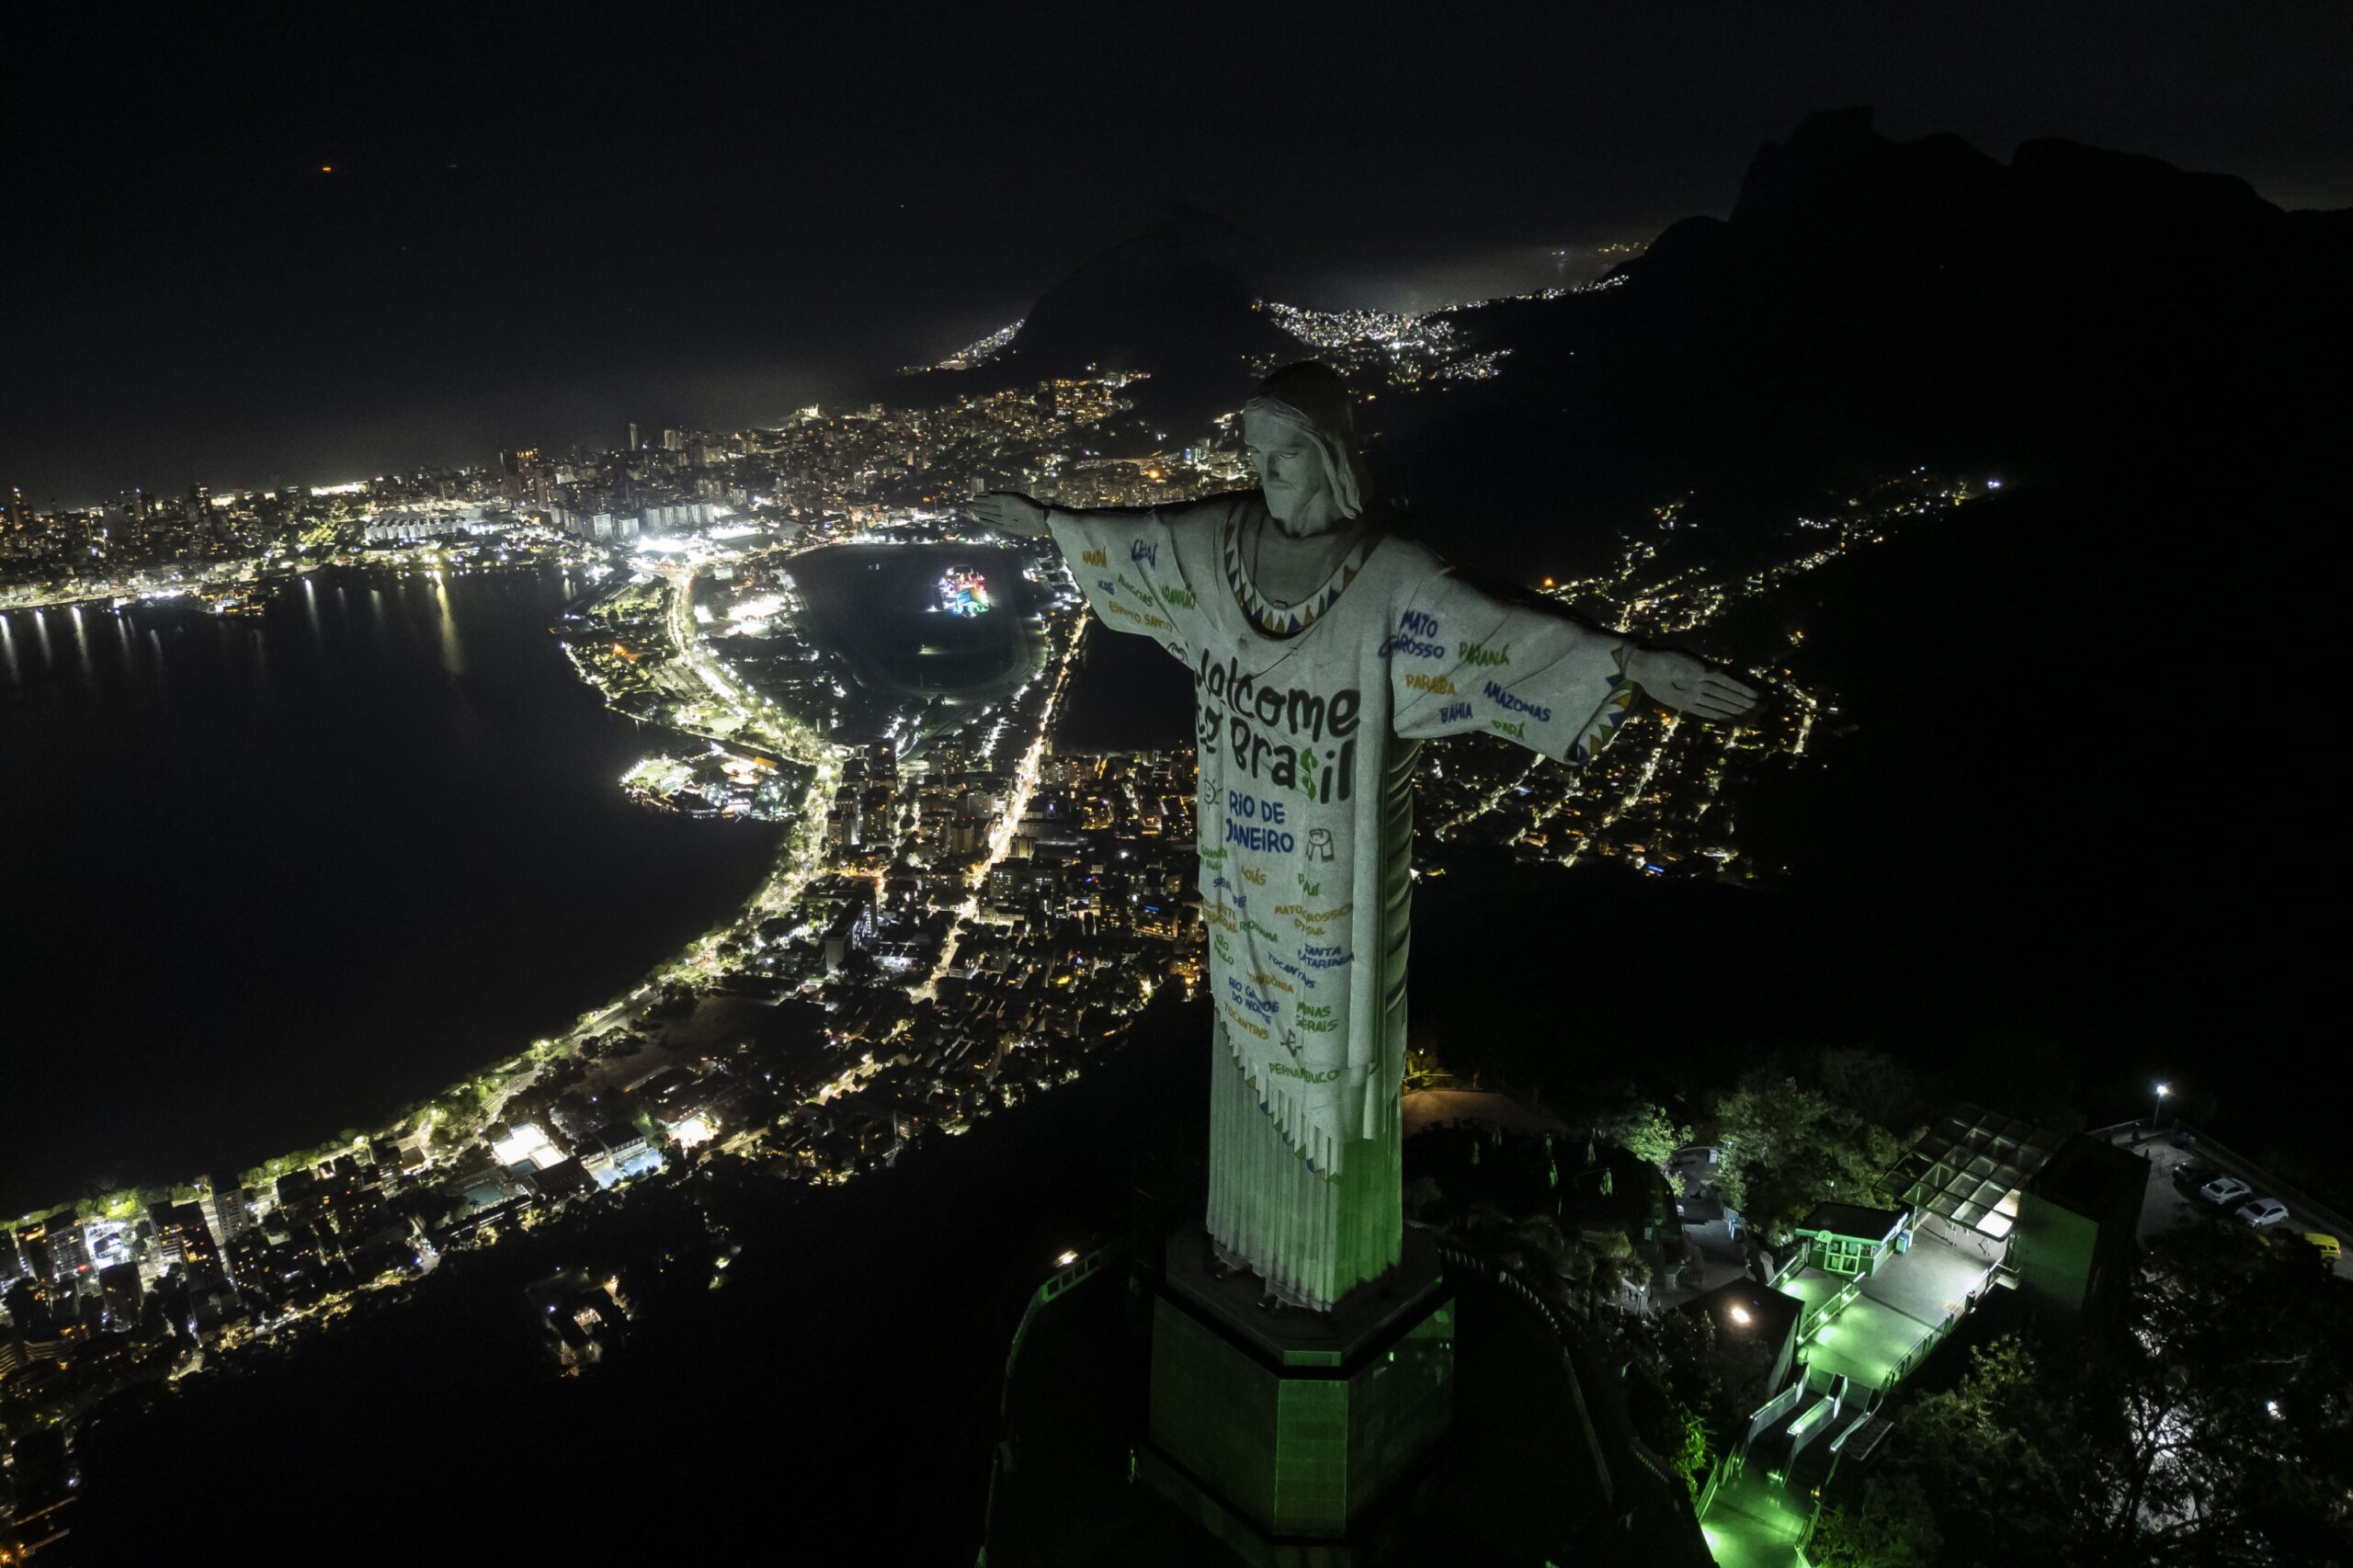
1010 512
1685 684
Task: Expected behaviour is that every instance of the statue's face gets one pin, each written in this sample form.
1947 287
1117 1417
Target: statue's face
1292 471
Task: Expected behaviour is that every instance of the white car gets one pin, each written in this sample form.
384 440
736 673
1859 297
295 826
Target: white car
2262 1211
2224 1189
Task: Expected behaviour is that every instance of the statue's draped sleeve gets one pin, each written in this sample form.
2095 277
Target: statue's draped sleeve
1125 560
1463 662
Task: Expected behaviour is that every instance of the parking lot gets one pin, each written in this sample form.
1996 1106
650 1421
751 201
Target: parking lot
2165 1203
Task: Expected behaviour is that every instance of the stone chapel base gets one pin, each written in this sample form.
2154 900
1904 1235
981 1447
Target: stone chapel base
1291 1436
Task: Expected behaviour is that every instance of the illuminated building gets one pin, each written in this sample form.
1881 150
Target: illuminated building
1841 1238
2075 1247
666 516
411 523
54 1248
181 1237
621 1142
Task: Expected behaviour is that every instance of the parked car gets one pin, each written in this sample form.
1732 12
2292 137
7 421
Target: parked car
2330 1250
2191 1175
2224 1189
2262 1211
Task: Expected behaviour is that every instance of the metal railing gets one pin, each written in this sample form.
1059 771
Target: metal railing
1456 1256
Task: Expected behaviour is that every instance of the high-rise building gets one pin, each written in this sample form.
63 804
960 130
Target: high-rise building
55 1247
633 440
120 1289
35 1246
181 1236
222 1200
662 516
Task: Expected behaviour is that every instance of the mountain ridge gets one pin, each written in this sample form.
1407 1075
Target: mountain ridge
1868 306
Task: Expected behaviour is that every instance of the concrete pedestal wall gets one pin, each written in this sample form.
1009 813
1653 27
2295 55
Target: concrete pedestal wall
1298 1425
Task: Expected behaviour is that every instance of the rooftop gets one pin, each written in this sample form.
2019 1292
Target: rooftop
2091 1178
1880 1332
1965 1166
1743 1306
1853 1219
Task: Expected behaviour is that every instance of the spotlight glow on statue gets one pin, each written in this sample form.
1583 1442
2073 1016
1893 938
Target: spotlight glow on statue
1324 651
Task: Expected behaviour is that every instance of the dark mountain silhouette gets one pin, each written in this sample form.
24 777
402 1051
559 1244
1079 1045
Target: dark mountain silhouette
1873 305
1174 300
1176 295
1869 305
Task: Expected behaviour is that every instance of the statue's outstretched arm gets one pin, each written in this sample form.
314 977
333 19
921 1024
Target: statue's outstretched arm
1016 516
1124 559
1463 661
1010 513
1686 684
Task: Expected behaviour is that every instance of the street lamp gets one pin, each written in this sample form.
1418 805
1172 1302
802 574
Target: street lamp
2157 1111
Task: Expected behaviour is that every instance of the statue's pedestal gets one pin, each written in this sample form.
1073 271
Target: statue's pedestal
1288 1433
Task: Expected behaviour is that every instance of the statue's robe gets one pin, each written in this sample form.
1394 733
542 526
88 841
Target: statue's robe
1307 727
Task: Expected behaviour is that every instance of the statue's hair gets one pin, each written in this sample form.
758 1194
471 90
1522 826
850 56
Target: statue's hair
1311 395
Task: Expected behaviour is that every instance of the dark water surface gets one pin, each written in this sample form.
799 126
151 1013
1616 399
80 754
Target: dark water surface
264 879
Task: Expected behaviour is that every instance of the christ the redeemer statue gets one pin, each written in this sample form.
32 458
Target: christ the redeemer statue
1324 650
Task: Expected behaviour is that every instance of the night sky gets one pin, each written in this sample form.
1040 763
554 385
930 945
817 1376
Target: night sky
539 226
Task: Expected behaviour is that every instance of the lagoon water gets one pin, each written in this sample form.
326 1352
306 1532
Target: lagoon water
265 879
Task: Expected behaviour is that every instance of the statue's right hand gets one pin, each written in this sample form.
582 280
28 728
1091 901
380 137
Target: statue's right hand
1010 512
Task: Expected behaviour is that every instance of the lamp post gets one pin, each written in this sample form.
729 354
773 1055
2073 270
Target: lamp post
2156 1111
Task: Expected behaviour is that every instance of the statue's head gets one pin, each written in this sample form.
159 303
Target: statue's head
1300 435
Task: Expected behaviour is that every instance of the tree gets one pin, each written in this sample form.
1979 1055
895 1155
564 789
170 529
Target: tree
1873 1085
2235 1430
1696 1454
1785 1149
2216 1428
1644 1130
1894 1527
2004 1456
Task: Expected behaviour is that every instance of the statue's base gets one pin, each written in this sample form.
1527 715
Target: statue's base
1291 1436
1522 1475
